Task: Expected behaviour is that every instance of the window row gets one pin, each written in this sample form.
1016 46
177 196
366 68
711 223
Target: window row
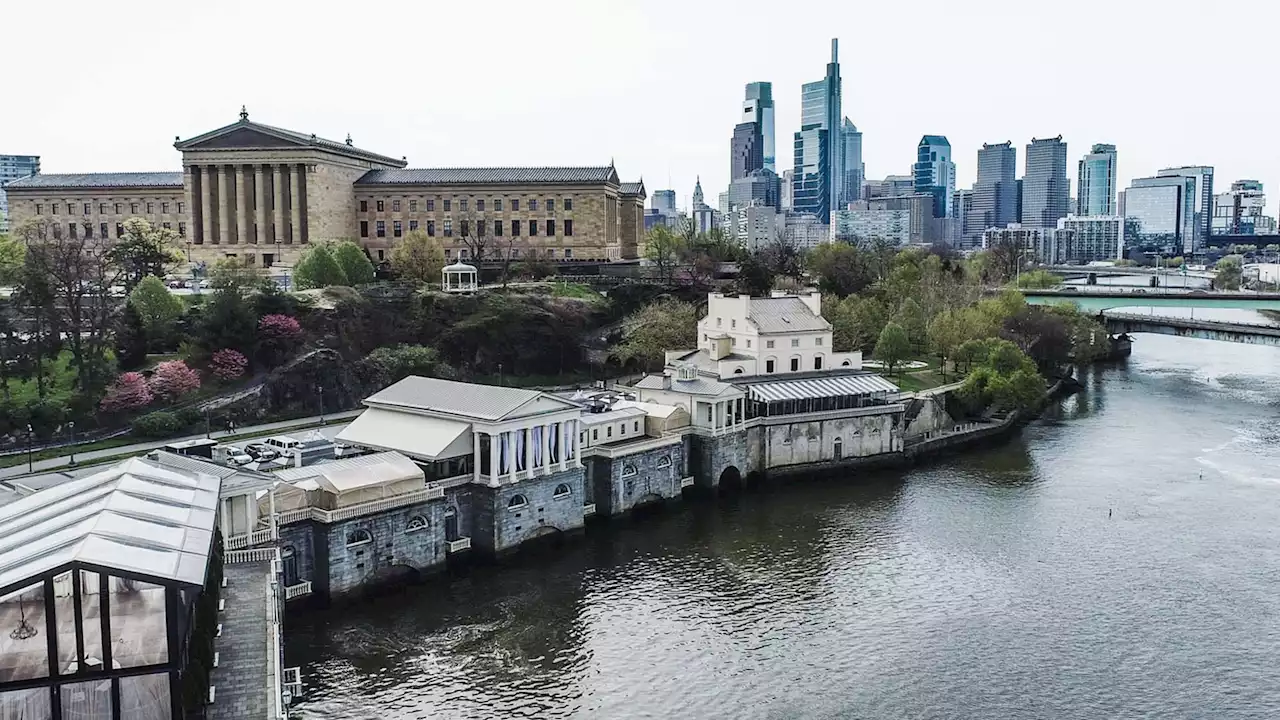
111 208
519 501
464 228
74 230
464 205
608 431
770 364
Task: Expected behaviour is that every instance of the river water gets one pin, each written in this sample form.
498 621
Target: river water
1120 559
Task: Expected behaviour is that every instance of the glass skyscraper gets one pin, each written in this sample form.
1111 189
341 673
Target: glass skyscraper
1203 218
746 151
1159 214
14 167
934 173
1096 182
758 108
995 193
1045 190
818 183
854 170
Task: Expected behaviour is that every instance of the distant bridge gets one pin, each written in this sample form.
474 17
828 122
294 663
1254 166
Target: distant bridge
1129 323
1097 299
1079 271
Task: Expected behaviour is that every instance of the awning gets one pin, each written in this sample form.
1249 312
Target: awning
849 385
417 436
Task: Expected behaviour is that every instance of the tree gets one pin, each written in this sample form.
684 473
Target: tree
536 265
946 333
173 379
158 308
911 317
355 264
13 255
755 277
144 250
1229 273
236 275
477 245
273 300
227 322
278 335
318 269
1042 335
131 339
662 248
893 346
1022 390
228 364
652 330
1039 280
783 256
396 363
419 257
129 392
841 269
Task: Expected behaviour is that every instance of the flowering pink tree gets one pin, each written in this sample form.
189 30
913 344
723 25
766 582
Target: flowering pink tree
173 379
128 392
228 364
279 328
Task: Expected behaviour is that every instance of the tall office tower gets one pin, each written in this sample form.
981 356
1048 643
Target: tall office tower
786 197
1096 182
818 152
14 167
854 170
1045 189
664 201
1159 214
746 150
1240 211
1204 199
934 173
995 193
1019 202
758 108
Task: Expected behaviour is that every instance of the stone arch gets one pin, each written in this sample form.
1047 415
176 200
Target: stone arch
648 499
562 490
731 479
392 574
517 501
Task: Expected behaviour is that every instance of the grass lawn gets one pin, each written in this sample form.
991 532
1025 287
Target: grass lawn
920 378
60 378
21 458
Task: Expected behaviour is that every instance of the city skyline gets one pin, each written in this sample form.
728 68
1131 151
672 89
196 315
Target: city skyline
387 108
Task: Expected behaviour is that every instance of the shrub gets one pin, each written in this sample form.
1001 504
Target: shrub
128 392
159 424
173 379
278 327
228 364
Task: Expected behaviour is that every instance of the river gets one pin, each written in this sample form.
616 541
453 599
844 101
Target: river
1120 559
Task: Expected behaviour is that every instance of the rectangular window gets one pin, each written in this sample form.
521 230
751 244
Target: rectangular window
608 432
568 228
533 228
364 206
551 228
364 228
515 228
395 206
413 225
151 208
551 253
102 231
119 229
497 228
462 205
71 230
568 203
448 227
397 229
87 208
466 228
748 342
88 231
480 227
164 208
733 322
102 208
381 228
118 206
179 208
39 209
768 366
480 204
182 229
167 226
533 203
497 204
568 253
413 206
431 228
382 255
818 341
795 364
431 204
795 342
379 205
768 344
817 362
551 204
515 203
447 203
133 208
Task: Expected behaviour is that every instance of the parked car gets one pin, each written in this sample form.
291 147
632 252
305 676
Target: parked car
262 453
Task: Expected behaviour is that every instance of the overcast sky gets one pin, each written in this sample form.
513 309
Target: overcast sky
654 85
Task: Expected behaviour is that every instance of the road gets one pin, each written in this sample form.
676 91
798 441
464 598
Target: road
61 463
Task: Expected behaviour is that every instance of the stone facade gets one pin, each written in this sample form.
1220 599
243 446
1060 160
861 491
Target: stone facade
95 209
710 456
620 484
500 527
781 443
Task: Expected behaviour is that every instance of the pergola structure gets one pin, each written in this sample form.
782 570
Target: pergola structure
459 278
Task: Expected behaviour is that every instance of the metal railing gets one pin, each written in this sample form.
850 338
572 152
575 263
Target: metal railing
459 544
295 591
258 537
256 555
364 508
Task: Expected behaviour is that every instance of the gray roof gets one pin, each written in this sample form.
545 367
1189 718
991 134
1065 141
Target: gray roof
632 188
701 359
700 386
293 136
135 516
491 176
98 180
784 314
836 386
467 400
235 481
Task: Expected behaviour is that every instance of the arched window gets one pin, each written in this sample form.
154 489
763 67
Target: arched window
417 522
358 537
562 491
628 470
664 461
847 363
795 363
516 502
737 371
287 551
450 511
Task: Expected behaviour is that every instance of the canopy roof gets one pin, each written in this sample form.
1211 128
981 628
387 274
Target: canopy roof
845 385
414 435
356 473
134 517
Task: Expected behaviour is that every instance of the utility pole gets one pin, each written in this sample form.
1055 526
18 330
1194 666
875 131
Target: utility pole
72 425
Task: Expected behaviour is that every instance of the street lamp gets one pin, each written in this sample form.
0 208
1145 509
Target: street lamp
30 462
320 392
72 425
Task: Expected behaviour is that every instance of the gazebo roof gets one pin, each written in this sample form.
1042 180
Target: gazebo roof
460 267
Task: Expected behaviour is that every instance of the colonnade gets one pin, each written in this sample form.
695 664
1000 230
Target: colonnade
248 204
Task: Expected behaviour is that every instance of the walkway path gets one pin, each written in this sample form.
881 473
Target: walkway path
243 678
60 463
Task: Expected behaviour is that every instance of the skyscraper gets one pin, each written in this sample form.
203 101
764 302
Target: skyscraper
854 170
746 150
758 108
1045 189
818 151
1240 211
934 172
14 167
1096 182
1159 212
1203 218
995 193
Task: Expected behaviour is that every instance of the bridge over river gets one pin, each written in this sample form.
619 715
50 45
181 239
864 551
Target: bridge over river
1099 299
1250 333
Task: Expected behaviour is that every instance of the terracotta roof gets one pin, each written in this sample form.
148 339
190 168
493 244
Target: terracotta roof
98 180
491 176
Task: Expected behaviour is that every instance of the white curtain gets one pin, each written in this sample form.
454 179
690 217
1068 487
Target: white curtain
145 697
555 442
537 446
26 705
504 463
86 700
520 449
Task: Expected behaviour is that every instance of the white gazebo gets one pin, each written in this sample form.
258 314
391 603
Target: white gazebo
459 277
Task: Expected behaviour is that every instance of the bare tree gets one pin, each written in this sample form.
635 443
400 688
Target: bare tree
476 243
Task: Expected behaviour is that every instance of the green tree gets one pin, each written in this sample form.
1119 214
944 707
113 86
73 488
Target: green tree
840 268
396 363
355 264
652 330
1022 390
1038 280
228 322
143 250
911 317
1229 273
419 257
663 248
131 339
893 346
12 257
158 308
318 269
755 277
946 333
236 275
